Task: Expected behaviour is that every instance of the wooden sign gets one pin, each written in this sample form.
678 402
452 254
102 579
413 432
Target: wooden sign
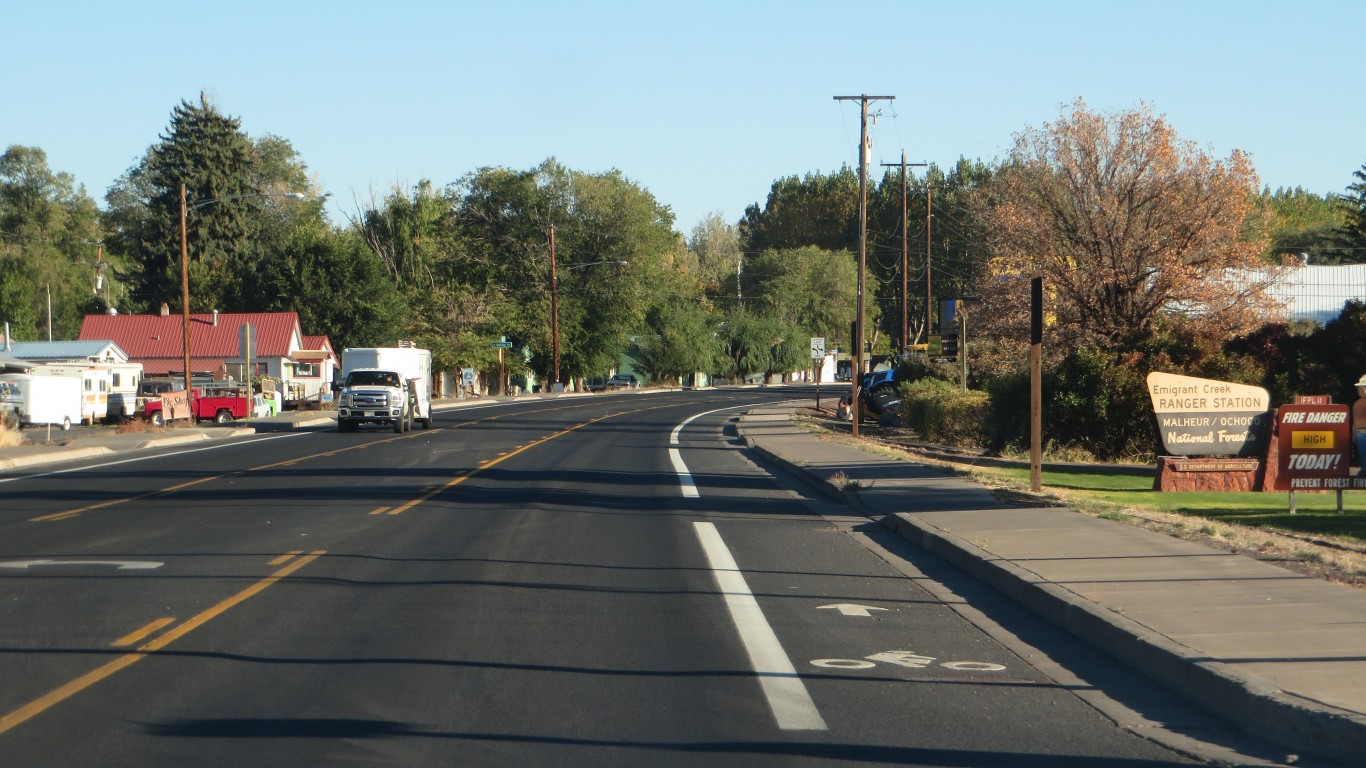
1204 417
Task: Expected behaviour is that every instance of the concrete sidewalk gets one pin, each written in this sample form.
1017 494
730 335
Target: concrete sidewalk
1281 655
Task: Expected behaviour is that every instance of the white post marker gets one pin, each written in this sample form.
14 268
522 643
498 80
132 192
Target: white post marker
787 696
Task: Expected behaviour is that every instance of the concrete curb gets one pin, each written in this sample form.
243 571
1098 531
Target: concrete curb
1251 703
46 457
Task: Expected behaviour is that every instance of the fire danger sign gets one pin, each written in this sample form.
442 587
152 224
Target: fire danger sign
1313 443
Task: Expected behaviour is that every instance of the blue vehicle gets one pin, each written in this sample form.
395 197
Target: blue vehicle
881 390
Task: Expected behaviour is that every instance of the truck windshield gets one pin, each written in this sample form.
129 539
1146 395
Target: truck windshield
372 379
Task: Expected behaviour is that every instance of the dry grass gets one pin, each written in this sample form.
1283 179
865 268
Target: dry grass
1329 558
138 426
10 437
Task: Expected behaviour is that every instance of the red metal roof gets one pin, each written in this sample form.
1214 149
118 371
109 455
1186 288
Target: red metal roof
318 342
161 366
159 337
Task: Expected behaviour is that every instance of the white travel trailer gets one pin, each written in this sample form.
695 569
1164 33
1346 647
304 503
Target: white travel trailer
47 399
123 389
119 381
97 385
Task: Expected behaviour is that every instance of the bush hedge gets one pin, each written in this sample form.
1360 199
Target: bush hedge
939 413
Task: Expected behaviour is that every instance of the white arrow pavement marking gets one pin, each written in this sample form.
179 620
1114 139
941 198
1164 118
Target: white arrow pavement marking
122 565
852 609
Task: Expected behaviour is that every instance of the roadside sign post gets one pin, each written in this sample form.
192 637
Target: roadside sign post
818 359
501 345
1313 450
246 342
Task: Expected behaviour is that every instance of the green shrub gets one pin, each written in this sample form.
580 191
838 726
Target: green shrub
939 413
1098 400
1007 416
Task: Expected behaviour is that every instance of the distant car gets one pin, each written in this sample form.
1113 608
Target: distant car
595 384
623 381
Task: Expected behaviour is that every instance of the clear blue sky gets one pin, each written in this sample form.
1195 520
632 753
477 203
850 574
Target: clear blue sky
704 103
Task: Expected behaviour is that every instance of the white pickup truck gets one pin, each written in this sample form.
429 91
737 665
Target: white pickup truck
385 385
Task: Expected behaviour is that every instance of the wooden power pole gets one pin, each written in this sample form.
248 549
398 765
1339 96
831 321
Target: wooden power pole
862 245
905 255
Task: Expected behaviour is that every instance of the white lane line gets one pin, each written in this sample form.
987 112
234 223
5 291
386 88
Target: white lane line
787 696
685 481
686 484
150 457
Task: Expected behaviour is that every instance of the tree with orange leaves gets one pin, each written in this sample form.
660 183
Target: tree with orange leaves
1128 224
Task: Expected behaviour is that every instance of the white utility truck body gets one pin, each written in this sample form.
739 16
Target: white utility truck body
385 385
47 399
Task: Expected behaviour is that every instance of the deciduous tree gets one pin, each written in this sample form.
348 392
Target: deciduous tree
1126 221
49 233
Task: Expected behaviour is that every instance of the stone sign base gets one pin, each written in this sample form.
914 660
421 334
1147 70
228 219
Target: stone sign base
1208 474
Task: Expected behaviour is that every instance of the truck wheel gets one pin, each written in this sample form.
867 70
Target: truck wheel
345 426
398 426
222 417
66 423
427 423
158 420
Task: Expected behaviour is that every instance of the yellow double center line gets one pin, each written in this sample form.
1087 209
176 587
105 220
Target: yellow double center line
458 479
70 513
51 699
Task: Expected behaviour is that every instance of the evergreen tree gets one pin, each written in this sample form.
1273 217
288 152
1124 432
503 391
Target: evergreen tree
1352 235
231 225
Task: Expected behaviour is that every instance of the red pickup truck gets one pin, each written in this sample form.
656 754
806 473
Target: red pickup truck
220 407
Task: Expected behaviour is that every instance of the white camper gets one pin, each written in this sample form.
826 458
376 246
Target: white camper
97 382
47 399
123 390
120 381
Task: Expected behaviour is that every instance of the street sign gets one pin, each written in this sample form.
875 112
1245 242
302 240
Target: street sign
467 376
502 345
246 342
817 348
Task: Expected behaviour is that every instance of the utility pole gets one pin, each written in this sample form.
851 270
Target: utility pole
862 245
905 254
929 293
554 315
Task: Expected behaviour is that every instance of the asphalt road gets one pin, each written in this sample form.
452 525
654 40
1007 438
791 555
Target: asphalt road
604 581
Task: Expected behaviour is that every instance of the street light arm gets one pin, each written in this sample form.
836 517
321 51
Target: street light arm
619 263
196 205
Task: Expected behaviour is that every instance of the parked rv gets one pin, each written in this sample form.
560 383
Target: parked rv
96 382
10 400
123 390
47 399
